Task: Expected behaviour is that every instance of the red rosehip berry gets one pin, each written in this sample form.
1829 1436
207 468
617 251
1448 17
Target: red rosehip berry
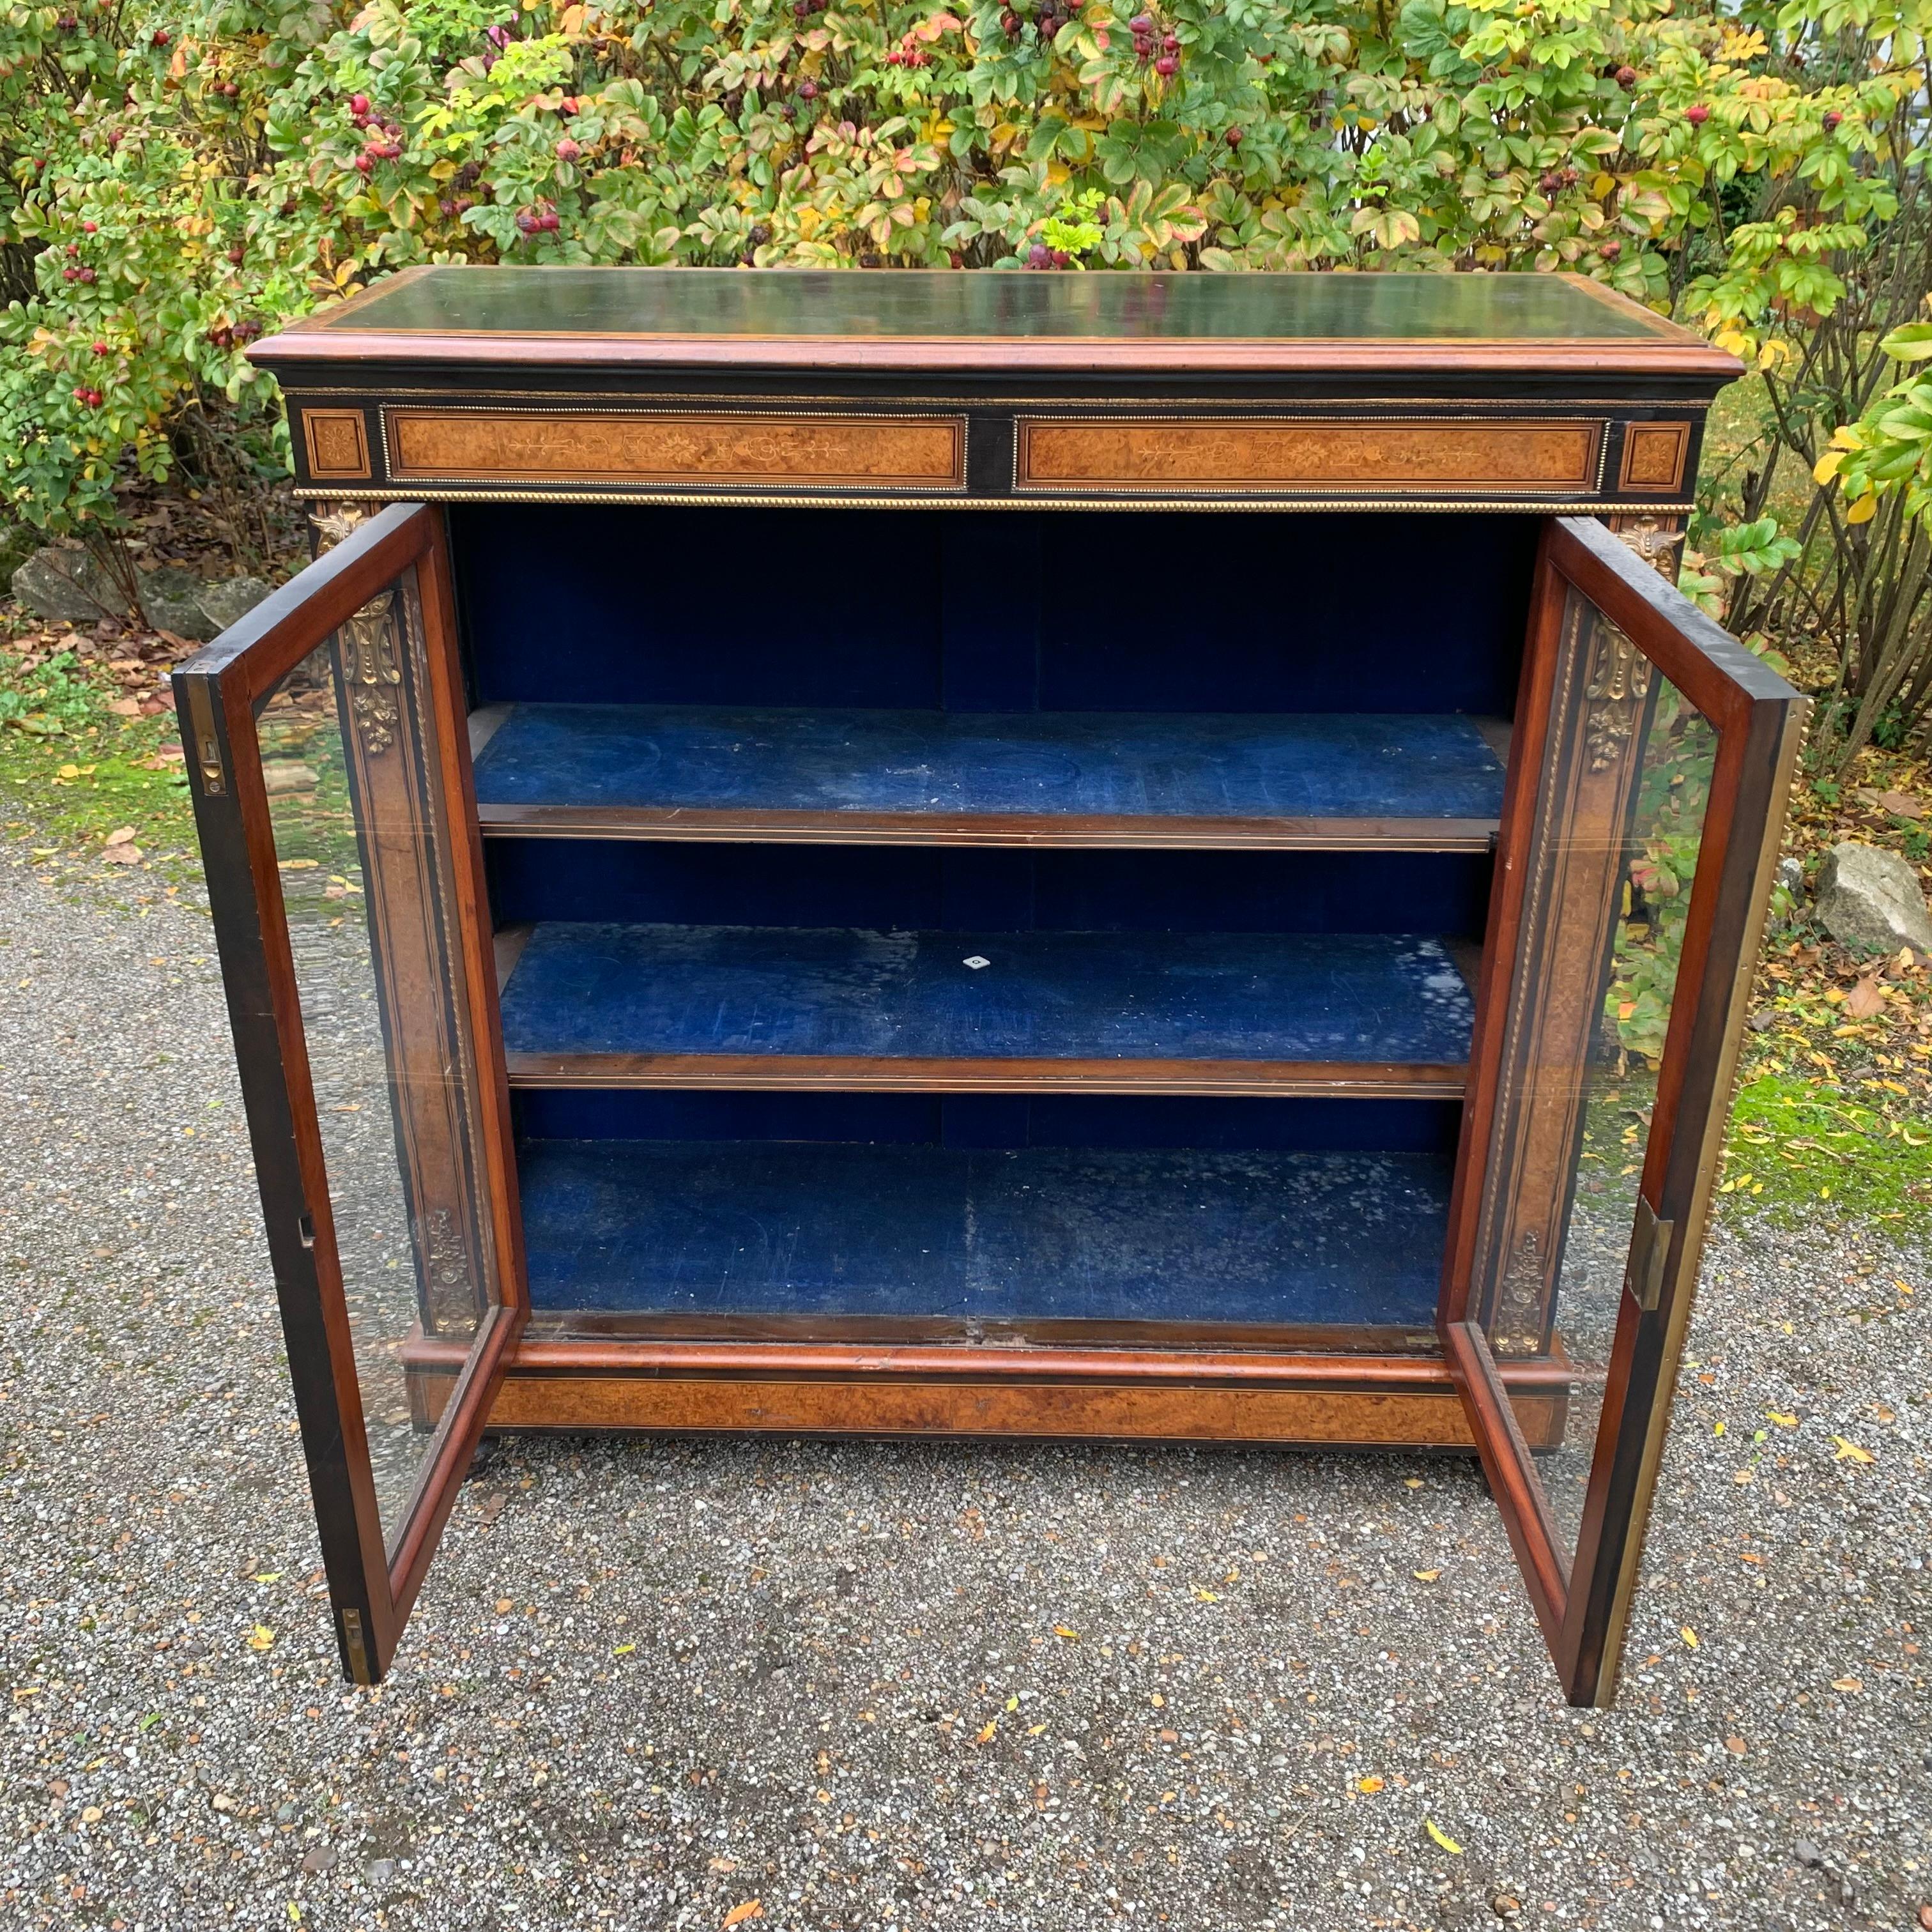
102 348
70 274
84 275
1040 255
358 103
808 90
90 228
364 163
1627 78
1062 259
1167 64
1831 119
160 37
1233 137
1170 42
1550 182
1141 23
1611 250
549 221
237 254
528 223
567 150
1697 115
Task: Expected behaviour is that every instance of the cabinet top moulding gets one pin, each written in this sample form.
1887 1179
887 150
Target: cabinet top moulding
942 322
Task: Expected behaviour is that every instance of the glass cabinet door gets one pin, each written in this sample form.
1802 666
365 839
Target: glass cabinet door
1639 837
331 775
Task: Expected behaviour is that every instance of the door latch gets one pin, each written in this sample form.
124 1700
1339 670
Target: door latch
1649 1250
204 745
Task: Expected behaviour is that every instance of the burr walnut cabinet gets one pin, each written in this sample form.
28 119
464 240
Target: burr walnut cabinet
1148 856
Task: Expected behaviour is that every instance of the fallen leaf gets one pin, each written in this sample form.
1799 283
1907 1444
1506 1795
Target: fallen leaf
1901 802
491 1508
1736 1747
1034 1730
1689 1636
623 1650
752 1908
1743 1479
1865 999
1370 1785
92 1815
122 855
1071 1636
261 1638
1848 1683
986 1736
1442 1837
1850 1452
1425 1575
125 836
723 1864
503 1605
1204 1596
267 1576
1783 1420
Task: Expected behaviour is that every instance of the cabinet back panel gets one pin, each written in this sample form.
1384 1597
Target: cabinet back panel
912 888
992 610
990 1120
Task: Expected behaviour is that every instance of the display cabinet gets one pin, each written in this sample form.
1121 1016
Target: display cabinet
1148 856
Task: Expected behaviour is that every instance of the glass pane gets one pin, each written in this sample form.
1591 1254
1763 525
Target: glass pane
1621 819
363 849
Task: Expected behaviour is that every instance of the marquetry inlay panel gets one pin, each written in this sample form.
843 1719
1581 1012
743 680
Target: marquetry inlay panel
338 445
1178 456
1654 456
654 450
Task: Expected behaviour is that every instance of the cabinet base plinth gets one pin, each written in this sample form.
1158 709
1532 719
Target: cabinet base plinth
1311 1401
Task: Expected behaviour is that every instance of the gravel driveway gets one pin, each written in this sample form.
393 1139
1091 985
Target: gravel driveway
887 1686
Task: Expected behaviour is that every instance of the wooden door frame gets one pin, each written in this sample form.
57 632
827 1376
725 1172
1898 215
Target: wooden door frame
1583 1606
219 694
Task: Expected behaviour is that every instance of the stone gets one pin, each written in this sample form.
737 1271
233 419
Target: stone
171 598
231 600
68 586
1871 900
1791 877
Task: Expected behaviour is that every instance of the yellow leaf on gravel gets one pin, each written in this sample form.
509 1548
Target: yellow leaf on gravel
261 1637
1370 1785
1204 1596
1442 1837
1689 1636
1071 1636
1847 1684
1783 1420
1425 1575
986 1736
623 1650
1850 1452
752 1908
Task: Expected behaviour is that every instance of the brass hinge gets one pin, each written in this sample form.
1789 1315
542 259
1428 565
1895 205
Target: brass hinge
359 1651
204 745
1649 1250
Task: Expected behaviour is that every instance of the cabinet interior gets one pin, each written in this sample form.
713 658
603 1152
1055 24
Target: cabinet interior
830 850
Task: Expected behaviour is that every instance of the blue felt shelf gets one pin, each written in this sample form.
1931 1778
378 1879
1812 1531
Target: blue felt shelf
1429 781
774 1229
583 1000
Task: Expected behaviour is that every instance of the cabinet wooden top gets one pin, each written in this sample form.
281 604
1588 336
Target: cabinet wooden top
951 322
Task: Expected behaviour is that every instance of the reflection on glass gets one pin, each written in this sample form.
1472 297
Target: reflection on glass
363 855
1623 808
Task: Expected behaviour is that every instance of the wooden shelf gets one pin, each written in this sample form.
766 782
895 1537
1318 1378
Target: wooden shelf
1426 782
723 1231
598 1005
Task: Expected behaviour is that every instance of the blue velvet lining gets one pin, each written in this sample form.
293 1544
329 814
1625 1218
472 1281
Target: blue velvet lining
1060 1234
1300 1125
914 888
1320 765
585 988
992 610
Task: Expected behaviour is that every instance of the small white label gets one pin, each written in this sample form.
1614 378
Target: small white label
976 961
